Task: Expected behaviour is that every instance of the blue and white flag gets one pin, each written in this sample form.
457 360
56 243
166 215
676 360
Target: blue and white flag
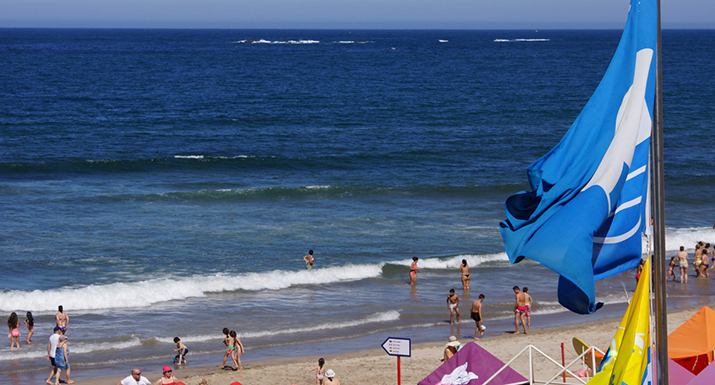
590 194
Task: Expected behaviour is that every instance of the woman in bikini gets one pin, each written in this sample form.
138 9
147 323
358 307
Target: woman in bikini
319 371
697 260
464 268
706 258
413 271
13 323
168 378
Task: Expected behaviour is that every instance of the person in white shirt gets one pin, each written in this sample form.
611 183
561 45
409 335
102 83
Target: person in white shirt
51 350
135 378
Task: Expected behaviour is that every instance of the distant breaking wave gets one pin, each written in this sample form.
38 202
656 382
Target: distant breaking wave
387 316
518 40
262 41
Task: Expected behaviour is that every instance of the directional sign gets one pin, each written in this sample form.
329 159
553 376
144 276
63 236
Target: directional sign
400 347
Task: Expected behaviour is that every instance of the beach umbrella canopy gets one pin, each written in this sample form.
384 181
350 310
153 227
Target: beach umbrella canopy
694 353
678 375
706 377
472 365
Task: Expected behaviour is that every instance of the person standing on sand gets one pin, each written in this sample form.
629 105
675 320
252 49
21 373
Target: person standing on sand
453 303
413 271
62 319
135 378
519 310
309 260
683 262
237 350
476 314
528 307
319 371
464 268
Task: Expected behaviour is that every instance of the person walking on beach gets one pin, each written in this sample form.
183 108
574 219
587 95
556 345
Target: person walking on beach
476 314
683 263
52 343
237 350
135 378
62 319
319 371
413 271
528 307
13 323
453 303
519 310
62 360
228 341
167 377
464 268
309 260
30 325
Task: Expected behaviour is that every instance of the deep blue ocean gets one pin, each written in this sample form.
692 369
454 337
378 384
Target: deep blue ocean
161 183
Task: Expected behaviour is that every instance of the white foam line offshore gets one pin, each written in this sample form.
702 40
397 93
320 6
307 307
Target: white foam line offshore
77 348
387 316
456 261
148 292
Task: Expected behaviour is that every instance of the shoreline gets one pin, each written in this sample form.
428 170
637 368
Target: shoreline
376 367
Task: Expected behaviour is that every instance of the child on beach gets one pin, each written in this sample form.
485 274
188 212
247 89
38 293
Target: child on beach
453 302
13 323
670 269
237 350
182 351
319 371
228 341
30 324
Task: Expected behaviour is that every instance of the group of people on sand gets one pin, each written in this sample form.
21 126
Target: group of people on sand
136 378
322 376
522 305
234 348
702 259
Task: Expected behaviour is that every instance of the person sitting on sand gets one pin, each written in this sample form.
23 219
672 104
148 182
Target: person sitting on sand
453 303
181 350
331 380
319 371
451 348
135 378
168 378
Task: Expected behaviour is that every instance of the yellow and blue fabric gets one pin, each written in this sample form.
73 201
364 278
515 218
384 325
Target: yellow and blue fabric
588 205
627 358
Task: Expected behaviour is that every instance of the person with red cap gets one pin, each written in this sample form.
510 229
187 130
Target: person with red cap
168 378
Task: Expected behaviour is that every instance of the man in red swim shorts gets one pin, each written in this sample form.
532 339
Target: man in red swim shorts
520 309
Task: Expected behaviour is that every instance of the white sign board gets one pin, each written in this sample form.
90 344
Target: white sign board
401 347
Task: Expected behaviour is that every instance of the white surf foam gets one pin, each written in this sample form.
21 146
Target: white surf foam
188 156
456 261
76 348
387 316
148 292
518 40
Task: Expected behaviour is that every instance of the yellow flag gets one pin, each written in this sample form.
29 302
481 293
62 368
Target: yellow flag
627 357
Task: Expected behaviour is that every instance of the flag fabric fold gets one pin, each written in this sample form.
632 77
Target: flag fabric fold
589 201
628 357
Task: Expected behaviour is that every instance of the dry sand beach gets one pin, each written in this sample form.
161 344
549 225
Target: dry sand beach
376 368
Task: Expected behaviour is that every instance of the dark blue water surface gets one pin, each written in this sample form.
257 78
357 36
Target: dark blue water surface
180 173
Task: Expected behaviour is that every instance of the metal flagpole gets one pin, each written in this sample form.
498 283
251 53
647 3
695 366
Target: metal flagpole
661 308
